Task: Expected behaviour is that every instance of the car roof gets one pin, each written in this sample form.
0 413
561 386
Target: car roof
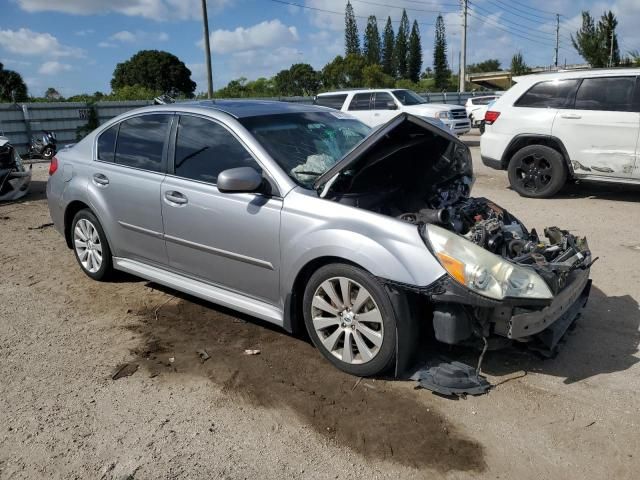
246 108
360 90
586 73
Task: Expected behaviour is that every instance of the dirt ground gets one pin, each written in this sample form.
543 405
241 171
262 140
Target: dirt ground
287 413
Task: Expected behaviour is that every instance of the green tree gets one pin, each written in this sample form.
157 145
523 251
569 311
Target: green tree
12 87
388 46
518 67
154 70
490 65
234 89
301 79
414 56
261 87
371 50
441 70
401 47
134 92
52 94
343 72
597 43
374 77
351 38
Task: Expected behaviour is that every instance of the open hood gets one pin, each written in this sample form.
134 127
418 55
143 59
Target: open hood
407 152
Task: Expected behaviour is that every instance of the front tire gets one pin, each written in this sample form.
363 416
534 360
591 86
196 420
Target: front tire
350 319
90 245
537 171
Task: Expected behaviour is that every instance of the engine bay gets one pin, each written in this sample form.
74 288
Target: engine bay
493 228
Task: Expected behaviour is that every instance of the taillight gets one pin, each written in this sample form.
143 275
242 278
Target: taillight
53 166
491 117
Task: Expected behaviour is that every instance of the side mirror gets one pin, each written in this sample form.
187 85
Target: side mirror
239 180
391 105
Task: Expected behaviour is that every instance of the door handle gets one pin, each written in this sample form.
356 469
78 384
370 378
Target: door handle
175 197
570 116
100 179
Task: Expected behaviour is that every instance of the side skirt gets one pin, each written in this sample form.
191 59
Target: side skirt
205 291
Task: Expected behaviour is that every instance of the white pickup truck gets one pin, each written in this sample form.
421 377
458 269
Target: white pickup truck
377 106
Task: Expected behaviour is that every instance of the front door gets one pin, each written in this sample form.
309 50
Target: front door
228 239
360 107
384 108
600 132
124 186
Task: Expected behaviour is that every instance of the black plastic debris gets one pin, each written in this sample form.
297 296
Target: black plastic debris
452 379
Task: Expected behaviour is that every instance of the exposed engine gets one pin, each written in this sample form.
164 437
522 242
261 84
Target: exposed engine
493 228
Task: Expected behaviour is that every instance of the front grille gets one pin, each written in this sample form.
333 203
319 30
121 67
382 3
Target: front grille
459 113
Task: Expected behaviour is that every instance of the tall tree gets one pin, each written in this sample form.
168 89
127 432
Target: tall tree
12 87
441 71
401 47
598 44
154 70
371 50
351 38
414 56
52 94
388 46
607 28
518 67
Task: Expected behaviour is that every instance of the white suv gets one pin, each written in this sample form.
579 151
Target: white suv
377 106
476 108
581 125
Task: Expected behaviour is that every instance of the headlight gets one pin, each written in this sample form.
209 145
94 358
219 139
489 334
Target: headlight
482 271
443 115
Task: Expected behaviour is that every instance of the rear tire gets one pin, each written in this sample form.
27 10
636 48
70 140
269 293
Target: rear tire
47 154
350 319
537 171
90 245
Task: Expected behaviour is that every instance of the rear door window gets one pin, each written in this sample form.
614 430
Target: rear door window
205 148
550 94
142 142
331 101
614 94
360 101
107 144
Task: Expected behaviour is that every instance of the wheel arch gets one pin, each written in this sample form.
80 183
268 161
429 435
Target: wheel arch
524 140
72 209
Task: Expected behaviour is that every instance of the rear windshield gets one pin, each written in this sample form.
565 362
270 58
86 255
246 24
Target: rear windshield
306 145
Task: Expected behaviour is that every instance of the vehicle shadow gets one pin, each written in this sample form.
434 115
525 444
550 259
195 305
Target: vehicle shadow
604 340
602 191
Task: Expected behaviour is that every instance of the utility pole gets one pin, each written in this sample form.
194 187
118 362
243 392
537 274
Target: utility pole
463 49
555 62
207 49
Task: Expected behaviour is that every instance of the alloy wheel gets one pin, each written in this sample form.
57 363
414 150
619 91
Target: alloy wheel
347 320
87 244
534 172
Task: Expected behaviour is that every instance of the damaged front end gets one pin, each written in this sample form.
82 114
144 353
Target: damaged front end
502 279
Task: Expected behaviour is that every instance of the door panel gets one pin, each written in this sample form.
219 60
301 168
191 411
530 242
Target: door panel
230 239
360 108
600 132
381 112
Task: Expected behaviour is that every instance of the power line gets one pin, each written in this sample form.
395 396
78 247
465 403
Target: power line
510 29
527 31
404 8
519 13
533 8
500 27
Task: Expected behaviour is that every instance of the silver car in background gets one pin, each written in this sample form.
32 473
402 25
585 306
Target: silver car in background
304 216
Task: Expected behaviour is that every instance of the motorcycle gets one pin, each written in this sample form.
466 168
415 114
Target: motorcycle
15 178
45 147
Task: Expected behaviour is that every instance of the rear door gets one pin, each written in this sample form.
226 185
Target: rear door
124 185
600 132
335 101
383 110
228 239
360 107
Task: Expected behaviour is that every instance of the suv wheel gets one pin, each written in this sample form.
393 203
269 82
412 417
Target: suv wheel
90 245
350 319
537 171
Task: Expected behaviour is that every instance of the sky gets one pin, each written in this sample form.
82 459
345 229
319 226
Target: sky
74 45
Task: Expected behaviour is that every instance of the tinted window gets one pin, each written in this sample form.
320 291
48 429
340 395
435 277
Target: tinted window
382 100
613 94
141 142
360 101
331 101
204 149
551 94
107 144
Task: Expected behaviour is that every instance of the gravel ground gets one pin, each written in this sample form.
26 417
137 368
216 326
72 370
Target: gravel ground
286 413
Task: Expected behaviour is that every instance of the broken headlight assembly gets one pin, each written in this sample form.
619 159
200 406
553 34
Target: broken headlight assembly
482 271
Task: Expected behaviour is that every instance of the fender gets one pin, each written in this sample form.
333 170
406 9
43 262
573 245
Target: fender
525 139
